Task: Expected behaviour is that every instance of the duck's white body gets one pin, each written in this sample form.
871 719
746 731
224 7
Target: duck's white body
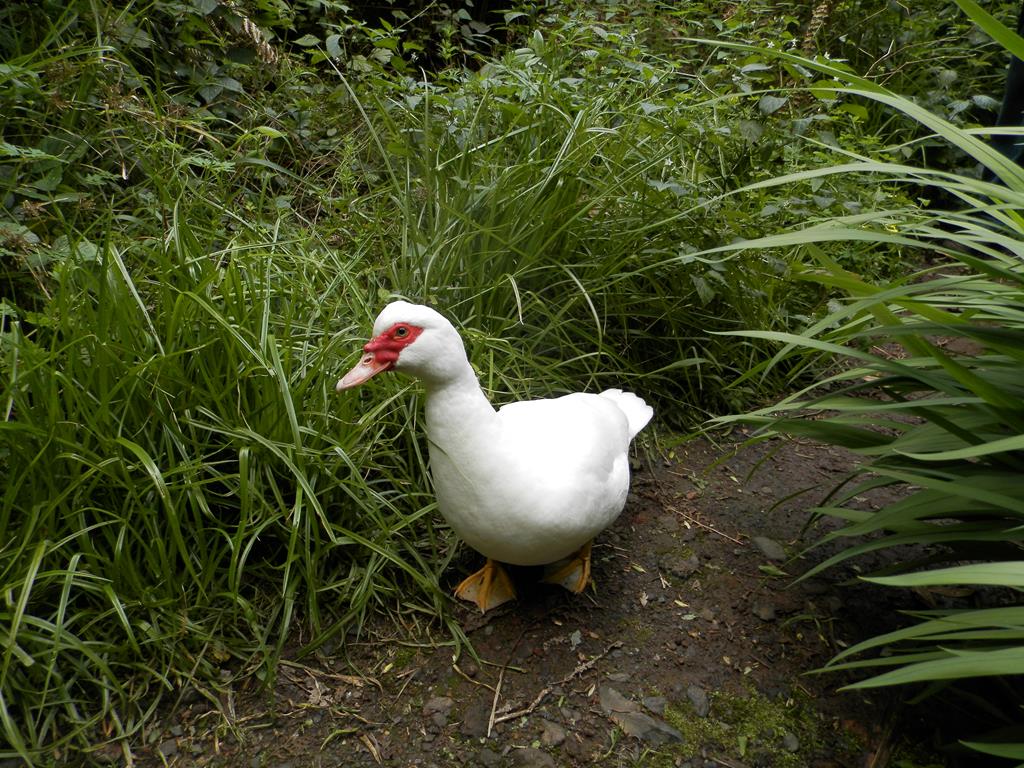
533 482
528 484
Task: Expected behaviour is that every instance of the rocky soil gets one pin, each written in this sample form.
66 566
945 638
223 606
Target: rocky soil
690 650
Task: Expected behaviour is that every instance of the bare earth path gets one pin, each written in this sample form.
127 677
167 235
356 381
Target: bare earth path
689 652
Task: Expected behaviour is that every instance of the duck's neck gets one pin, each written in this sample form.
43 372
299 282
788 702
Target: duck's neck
458 412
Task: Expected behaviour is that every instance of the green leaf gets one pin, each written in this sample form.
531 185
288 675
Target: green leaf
966 664
1013 751
769 104
1002 34
1015 443
1006 574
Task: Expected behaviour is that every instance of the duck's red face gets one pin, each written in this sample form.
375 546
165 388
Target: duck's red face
382 352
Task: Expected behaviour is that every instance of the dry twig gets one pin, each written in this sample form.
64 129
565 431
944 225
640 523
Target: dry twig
584 667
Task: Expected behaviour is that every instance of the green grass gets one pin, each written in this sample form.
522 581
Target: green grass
183 482
184 487
192 255
925 384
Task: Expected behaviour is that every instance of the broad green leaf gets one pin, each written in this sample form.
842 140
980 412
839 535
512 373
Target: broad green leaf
1002 34
1013 751
1007 574
1004 661
1015 443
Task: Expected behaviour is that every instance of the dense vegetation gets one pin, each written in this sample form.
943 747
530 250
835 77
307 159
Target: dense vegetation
205 202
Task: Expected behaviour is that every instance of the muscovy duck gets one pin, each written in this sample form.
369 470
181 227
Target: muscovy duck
531 483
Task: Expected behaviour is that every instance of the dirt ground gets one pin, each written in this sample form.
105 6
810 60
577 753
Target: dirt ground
689 651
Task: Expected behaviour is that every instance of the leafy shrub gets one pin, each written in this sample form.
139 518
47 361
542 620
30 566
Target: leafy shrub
196 239
930 392
543 206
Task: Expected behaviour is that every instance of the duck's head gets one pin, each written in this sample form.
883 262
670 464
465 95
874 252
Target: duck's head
412 339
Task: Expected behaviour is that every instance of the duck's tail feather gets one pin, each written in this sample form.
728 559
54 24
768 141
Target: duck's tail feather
638 413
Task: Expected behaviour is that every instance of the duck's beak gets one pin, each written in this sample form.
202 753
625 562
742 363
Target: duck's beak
368 367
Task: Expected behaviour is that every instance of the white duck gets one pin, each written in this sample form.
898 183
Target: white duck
529 484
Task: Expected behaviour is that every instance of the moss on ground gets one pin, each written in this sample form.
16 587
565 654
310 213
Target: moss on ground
754 728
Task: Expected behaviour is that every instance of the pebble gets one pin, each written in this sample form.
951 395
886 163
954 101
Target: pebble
553 734
475 720
790 743
699 699
619 677
437 709
438 705
770 548
655 704
168 747
647 728
681 568
764 610
627 715
531 757
613 702
487 758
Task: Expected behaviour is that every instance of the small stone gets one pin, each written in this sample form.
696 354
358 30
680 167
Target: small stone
699 699
569 714
764 611
439 705
553 734
487 758
437 710
619 677
681 568
790 743
612 701
475 720
168 747
769 548
655 704
647 728
531 757
176 730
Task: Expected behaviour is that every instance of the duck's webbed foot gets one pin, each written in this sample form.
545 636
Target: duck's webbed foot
572 573
488 588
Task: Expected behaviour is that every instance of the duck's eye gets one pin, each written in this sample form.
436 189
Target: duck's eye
401 332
